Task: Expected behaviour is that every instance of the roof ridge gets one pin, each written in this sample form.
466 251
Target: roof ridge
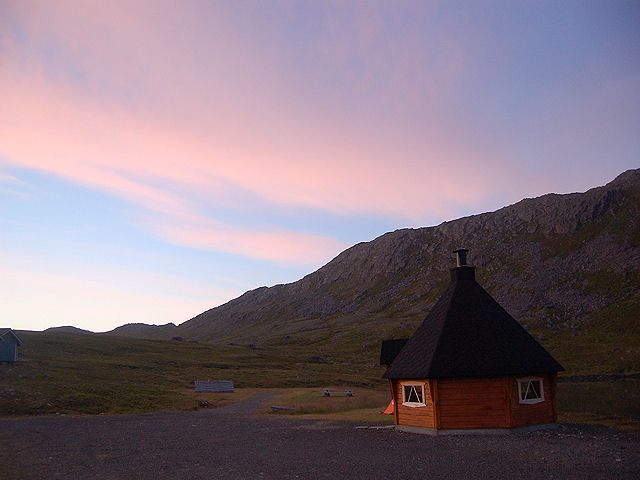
454 285
501 346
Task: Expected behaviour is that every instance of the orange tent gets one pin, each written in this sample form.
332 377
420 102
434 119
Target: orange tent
389 409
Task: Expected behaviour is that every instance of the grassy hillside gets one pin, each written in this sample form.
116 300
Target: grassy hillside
73 373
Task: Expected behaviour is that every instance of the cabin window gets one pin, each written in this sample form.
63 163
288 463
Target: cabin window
530 390
413 394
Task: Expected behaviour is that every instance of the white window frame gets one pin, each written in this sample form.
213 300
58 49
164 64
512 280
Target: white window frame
524 383
414 385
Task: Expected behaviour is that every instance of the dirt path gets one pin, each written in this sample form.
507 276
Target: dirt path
235 443
248 405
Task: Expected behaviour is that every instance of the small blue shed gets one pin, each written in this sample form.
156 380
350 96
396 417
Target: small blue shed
9 343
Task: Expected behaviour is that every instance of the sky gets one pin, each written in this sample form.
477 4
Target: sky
159 158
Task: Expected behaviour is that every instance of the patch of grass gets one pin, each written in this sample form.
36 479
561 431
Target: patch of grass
617 321
616 403
192 399
92 374
604 345
612 283
364 406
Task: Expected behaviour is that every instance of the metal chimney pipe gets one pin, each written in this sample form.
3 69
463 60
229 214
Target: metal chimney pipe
461 257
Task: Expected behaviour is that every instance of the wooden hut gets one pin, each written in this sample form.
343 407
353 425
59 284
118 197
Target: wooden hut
470 365
9 343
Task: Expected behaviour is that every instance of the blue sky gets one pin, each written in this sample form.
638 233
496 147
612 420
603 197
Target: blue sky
159 158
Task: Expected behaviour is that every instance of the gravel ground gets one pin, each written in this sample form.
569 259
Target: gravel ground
236 443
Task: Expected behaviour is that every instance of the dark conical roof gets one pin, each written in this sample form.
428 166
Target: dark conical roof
390 350
468 334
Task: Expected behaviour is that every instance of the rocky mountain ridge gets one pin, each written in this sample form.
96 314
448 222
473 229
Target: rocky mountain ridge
555 262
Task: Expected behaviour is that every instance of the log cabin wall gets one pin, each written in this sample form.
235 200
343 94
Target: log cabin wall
414 416
542 412
473 403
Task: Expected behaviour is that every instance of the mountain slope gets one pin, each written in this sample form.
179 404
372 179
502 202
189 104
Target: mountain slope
557 263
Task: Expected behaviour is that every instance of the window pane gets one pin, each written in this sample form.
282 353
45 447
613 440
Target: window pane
530 389
535 389
413 394
531 393
527 392
413 397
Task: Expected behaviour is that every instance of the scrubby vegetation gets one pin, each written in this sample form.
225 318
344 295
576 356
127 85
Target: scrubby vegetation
91 374
611 402
70 373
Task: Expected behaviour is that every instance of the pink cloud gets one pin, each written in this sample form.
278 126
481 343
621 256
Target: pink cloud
279 246
127 154
174 123
125 157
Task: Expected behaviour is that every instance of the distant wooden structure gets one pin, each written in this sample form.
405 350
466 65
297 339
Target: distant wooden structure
214 386
471 365
9 343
